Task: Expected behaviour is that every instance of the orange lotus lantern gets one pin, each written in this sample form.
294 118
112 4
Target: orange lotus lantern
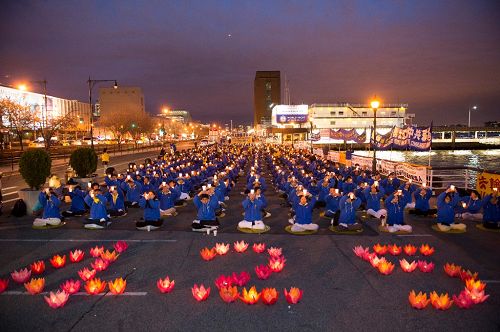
361 252
71 286
467 274
76 256
38 267
240 246
208 254
58 261
474 285
425 267
117 286
165 285
96 251
200 293
441 302
100 264
251 296
426 250
476 296
407 267
274 252
418 301
385 267
463 300
4 283
263 272
86 274
221 248
410 249
241 279
21 276
57 300
35 286
109 256
394 250
370 256
229 294
269 296
224 281
120 246
293 296
277 264
95 286
375 260
380 249
259 247
452 270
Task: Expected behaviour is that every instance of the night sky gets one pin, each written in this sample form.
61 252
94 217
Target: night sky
437 56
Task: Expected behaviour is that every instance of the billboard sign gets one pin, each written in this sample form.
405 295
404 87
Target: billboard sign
286 114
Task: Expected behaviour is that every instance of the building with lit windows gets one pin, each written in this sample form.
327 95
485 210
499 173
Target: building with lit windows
267 93
177 115
120 100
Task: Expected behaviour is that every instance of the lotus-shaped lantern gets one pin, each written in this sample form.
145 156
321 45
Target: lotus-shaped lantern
375 260
474 285
425 267
293 296
251 296
165 285
58 261
263 272
208 254
274 252
467 274
57 300
221 248
441 302
361 252
4 283
21 276
35 286
385 267
224 281
117 286
259 247
109 256
86 274
95 286
241 279
96 251
240 246
380 249
476 296
100 264
394 250
463 300
277 264
200 293
407 267
452 270
38 267
410 249
120 246
229 294
76 256
71 286
269 296
418 301
426 250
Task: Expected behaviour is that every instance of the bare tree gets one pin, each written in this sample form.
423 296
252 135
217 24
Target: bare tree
18 117
54 125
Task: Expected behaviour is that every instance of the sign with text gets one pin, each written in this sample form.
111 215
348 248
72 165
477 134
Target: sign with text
486 182
285 114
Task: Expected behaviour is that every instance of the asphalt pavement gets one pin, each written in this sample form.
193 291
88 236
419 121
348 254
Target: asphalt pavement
341 292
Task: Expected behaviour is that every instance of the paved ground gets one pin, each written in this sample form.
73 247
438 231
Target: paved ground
341 292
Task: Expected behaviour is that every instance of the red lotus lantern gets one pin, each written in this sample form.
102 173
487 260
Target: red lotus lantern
463 300
200 293
109 256
96 251
241 279
165 285
229 294
476 296
475 285
407 267
4 283
120 246
58 261
35 286
419 301
385 267
274 252
57 300
425 267
208 254
361 252
370 256
276 264
240 246
269 296
86 274
394 250
221 248
467 274
76 256
38 267
259 247
380 249
117 286
293 296
21 276
426 250
251 296
441 302
223 281
263 272
452 270
375 260
100 264
410 249
71 286
95 286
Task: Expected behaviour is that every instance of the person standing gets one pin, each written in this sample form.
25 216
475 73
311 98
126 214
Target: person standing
105 159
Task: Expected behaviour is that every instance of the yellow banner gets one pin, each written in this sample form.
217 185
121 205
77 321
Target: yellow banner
486 182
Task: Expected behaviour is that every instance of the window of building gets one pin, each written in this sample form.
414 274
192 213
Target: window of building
364 113
393 113
333 113
268 86
341 113
332 123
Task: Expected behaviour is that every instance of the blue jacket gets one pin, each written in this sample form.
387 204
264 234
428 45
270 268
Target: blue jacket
422 202
77 200
206 211
373 200
348 210
134 194
167 201
491 212
252 209
97 209
446 211
390 186
50 206
303 213
395 211
332 203
348 187
473 206
117 203
151 208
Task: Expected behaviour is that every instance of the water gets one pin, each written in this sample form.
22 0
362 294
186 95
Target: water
483 159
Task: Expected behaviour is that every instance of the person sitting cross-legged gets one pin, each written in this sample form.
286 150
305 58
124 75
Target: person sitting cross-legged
332 209
373 195
99 217
151 207
50 204
446 202
167 201
205 218
349 203
422 206
303 214
491 211
395 205
253 212
116 202
77 207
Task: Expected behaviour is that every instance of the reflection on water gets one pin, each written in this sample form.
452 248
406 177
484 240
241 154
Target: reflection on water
484 159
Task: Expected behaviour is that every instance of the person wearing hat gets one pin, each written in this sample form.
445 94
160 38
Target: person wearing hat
472 206
205 218
50 204
151 206
99 218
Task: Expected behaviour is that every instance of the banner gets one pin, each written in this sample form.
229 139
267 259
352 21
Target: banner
334 156
416 173
348 135
318 152
363 162
411 137
486 182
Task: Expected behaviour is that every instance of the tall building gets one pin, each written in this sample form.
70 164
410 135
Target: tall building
121 100
175 115
266 94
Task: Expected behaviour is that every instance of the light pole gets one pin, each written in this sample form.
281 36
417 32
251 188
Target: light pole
473 108
311 135
375 105
92 83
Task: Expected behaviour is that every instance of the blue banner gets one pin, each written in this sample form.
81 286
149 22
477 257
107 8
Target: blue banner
406 138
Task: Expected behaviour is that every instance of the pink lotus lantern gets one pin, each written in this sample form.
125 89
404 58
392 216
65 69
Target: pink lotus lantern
21 276
240 246
263 272
76 256
274 252
57 300
120 246
71 286
259 247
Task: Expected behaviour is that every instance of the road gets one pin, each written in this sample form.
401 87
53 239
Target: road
341 292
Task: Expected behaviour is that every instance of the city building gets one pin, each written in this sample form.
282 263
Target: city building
267 93
120 100
175 115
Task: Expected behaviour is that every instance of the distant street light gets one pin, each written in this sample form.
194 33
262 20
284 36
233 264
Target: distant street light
92 83
375 105
473 108
43 84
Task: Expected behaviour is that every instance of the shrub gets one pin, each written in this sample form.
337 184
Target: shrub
83 161
34 167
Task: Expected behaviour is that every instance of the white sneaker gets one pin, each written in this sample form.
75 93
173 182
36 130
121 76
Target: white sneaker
53 221
39 222
291 221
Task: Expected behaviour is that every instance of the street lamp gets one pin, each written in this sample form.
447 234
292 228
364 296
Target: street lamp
92 83
311 135
43 83
473 108
375 105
